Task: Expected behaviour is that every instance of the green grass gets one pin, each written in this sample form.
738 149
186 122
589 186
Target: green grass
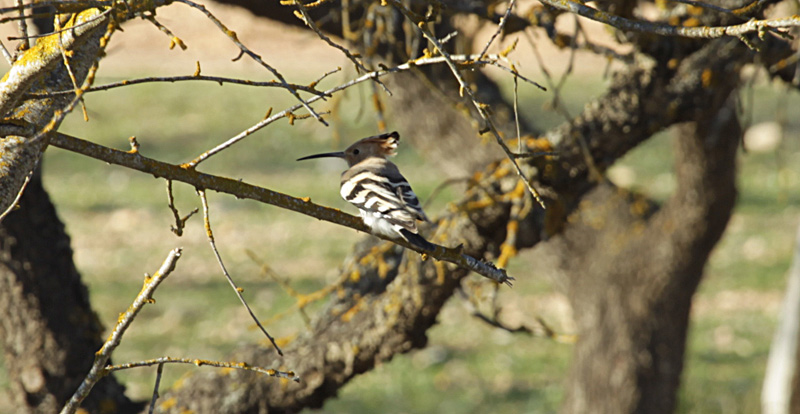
119 225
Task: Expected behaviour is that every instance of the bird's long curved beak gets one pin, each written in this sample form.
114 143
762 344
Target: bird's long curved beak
339 154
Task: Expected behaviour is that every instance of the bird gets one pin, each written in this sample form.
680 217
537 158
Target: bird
384 198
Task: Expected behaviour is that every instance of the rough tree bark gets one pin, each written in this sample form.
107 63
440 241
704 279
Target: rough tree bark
49 331
632 273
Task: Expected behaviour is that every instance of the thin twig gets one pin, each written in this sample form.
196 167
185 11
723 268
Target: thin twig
499 26
469 59
514 72
245 50
68 68
6 53
516 115
311 87
174 40
740 13
102 356
463 87
13 205
535 154
237 289
556 102
217 79
159 371
452 35
306 18
573 46
180 222
290 375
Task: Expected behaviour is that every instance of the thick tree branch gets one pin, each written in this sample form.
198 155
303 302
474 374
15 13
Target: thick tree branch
240 189
40 70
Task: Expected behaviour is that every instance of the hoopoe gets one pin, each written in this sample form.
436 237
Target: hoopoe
383 196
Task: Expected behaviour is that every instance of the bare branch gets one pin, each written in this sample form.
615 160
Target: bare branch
159 371
180 222
499 27
236 289
306 18
241 189
469 61
6 54
144 297
463 87
173 40
205 362
245 50
218 79
705 32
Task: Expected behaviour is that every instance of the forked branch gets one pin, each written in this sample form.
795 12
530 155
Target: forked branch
102 357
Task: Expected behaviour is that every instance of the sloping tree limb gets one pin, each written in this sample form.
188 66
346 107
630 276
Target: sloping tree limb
20 154
241 189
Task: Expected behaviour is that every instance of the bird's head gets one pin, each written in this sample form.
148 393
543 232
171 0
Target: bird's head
381 146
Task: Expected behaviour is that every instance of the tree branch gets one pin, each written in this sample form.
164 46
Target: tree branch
102 356
199 180
703 32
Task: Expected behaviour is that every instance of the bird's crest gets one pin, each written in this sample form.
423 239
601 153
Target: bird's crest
387 143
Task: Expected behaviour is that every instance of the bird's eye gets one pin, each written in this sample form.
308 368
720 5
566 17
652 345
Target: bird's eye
356 151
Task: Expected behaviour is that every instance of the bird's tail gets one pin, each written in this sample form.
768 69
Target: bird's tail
417 240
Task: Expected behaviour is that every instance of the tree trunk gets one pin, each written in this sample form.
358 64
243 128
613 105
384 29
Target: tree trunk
49 332
632 273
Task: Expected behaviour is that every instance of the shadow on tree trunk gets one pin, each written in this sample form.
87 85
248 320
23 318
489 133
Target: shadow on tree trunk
48 329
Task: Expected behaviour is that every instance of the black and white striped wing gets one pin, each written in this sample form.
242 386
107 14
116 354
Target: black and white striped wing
385 197
410 200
